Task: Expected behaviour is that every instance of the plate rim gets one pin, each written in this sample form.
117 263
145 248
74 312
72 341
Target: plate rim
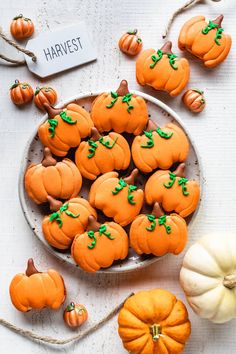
62 103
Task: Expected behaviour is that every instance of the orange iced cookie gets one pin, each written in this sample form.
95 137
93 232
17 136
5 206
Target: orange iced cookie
120 111
66 221
60 180
36 290
159 147
100 246
64 128
101 154
173 191
205 41
118 198
162 70
157 233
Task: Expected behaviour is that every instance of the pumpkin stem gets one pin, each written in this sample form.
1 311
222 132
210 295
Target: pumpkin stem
230 281
51 111
132 177
157 210
180 170
93 224
151 125
31 268
218 20
123 88
95 135
48 160
166 48
155 331
54 204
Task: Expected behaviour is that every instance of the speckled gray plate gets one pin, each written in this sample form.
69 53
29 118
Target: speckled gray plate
34 214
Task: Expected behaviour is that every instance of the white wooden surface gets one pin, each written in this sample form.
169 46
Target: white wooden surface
214 132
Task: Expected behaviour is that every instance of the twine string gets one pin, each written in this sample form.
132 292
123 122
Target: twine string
56 341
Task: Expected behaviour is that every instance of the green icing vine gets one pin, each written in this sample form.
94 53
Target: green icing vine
163 134
115 96
181 182
102 231
125 99
107 143
150 141
57 215
130 196
53 124
131 188
161 221
172 180
159 56
211 25
66 118
92 149
153 222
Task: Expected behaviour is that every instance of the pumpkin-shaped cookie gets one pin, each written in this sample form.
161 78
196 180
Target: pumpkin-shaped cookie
21 27
43 95
162 70
157 233
100 246
118 198
21 93
101 154
66 221
205 41
154 322
64 128
36 290
120 111
173 191
130 43
60 180
75 315
159 147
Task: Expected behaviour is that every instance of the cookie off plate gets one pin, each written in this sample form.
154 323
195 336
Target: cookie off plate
161 114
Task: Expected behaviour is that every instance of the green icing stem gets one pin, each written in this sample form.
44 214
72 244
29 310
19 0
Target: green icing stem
102 231
52 125
57 215
181 182
92 149
66 118
107 143
150 141
131 188
152 220
211 25
172 180
161 221
163 134
125 99
156 58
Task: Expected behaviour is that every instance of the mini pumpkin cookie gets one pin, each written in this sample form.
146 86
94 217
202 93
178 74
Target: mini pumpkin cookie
21 93
159 147
157 233
21 27
162 70
66 221
100 246
120 111
194 100
101 154
130 43
205 41
36 290
60 180
43 95
75 315
118 198
64 128
173 191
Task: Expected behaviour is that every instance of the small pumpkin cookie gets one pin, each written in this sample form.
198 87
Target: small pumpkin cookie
36 290
21 27
162 70
64 128
194 100
159 147
66 221
75 315
21 93
205 40
173 191
157 233
118 198
130 43
43 95
100 246
101 154
120 111
60 180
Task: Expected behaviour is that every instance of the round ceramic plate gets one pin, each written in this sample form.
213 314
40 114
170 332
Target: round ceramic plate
158 112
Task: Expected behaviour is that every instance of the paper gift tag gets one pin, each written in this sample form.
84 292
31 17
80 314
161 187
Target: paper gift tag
60 50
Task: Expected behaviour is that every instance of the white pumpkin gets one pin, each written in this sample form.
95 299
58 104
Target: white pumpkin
208 277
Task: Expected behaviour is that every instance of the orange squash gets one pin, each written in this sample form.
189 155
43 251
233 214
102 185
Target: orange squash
43 95
162 70
21 93
118 198
173 191
194 100
64 128
60 180
157 233
154 322
21 27
36 290
100 246
120 111
159 147
130 43
205 41
75 315
66 221
101 154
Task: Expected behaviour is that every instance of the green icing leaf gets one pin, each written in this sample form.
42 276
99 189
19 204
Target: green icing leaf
163 134
107 143
53 124
162 221
211 25
152 220
66 118
182 182
119 188
57 215
130 196
172 180
91 234
150 141
93 146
